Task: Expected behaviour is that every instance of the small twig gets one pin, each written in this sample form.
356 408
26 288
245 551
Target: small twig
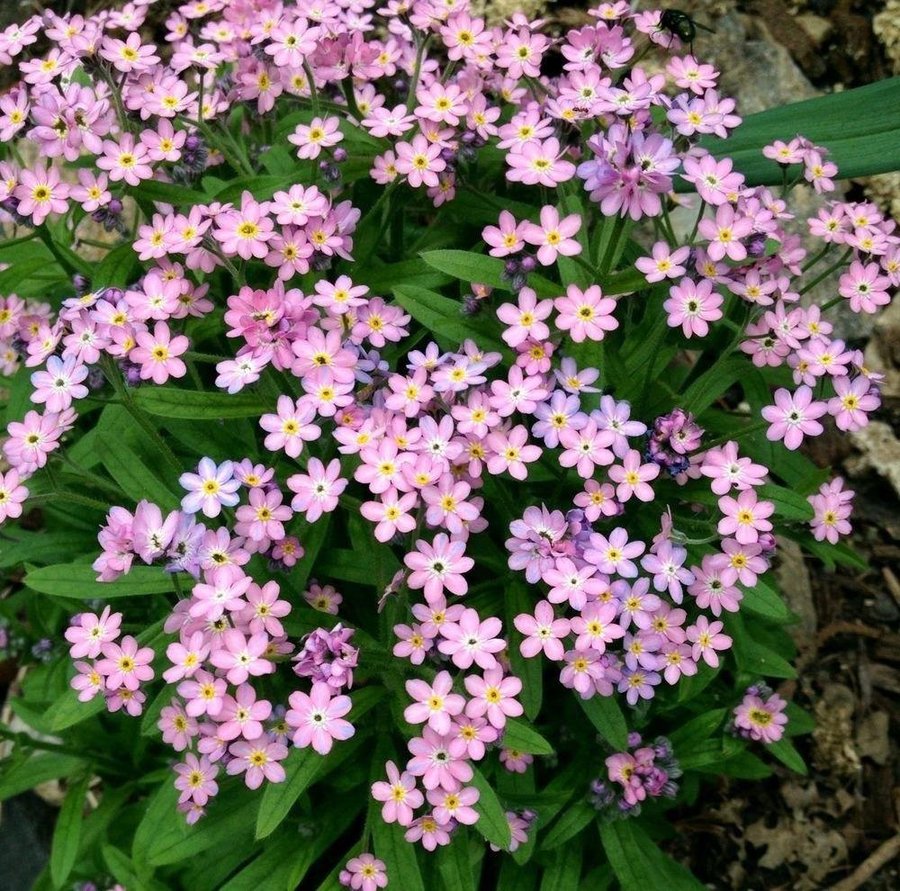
881 856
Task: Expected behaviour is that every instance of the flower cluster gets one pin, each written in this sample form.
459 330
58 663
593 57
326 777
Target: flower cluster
642 772
271 177
760 715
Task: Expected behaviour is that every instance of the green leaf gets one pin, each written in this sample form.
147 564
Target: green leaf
639 864
799 722
571 821
171 402
116 269
398 854
492 822
122 869
752 656
785 752
169 193
523 737
67 833
163 837
443 317
19 272
304 766
606 715
764 600
39 768
270 869
788 504
78 581
136 480
529 671
713 383
454 866
475 268
859 128
68 711
698 729
564 870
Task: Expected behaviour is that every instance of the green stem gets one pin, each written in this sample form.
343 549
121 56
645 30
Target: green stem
417 71
700 213
115 378
313 92
813 260
721 440
831 269
45 236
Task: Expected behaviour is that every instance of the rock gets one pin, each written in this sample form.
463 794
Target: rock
872 740
817 28
883 350
879 451
794 583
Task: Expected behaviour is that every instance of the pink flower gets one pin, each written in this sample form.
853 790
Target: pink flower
585 314
728 471
434 704
41 192
853 401
264 517
692 305
196 779
399 794
455 805
245 232
178 729
526 319
211 488
240 656
420 161
634 477
264 609
707 639
762 720
204 693
725 234
745 517
793 416
614 554
317 491
510 452
257 760
493 696
542 632
538 163
12 495
290 427
663 263
318 718
413 644
507 238
126 160
596 627
439 566
470 640
125 665
553 236
186 660
391 513
313 137
158 353
364 873
586 448
91 632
